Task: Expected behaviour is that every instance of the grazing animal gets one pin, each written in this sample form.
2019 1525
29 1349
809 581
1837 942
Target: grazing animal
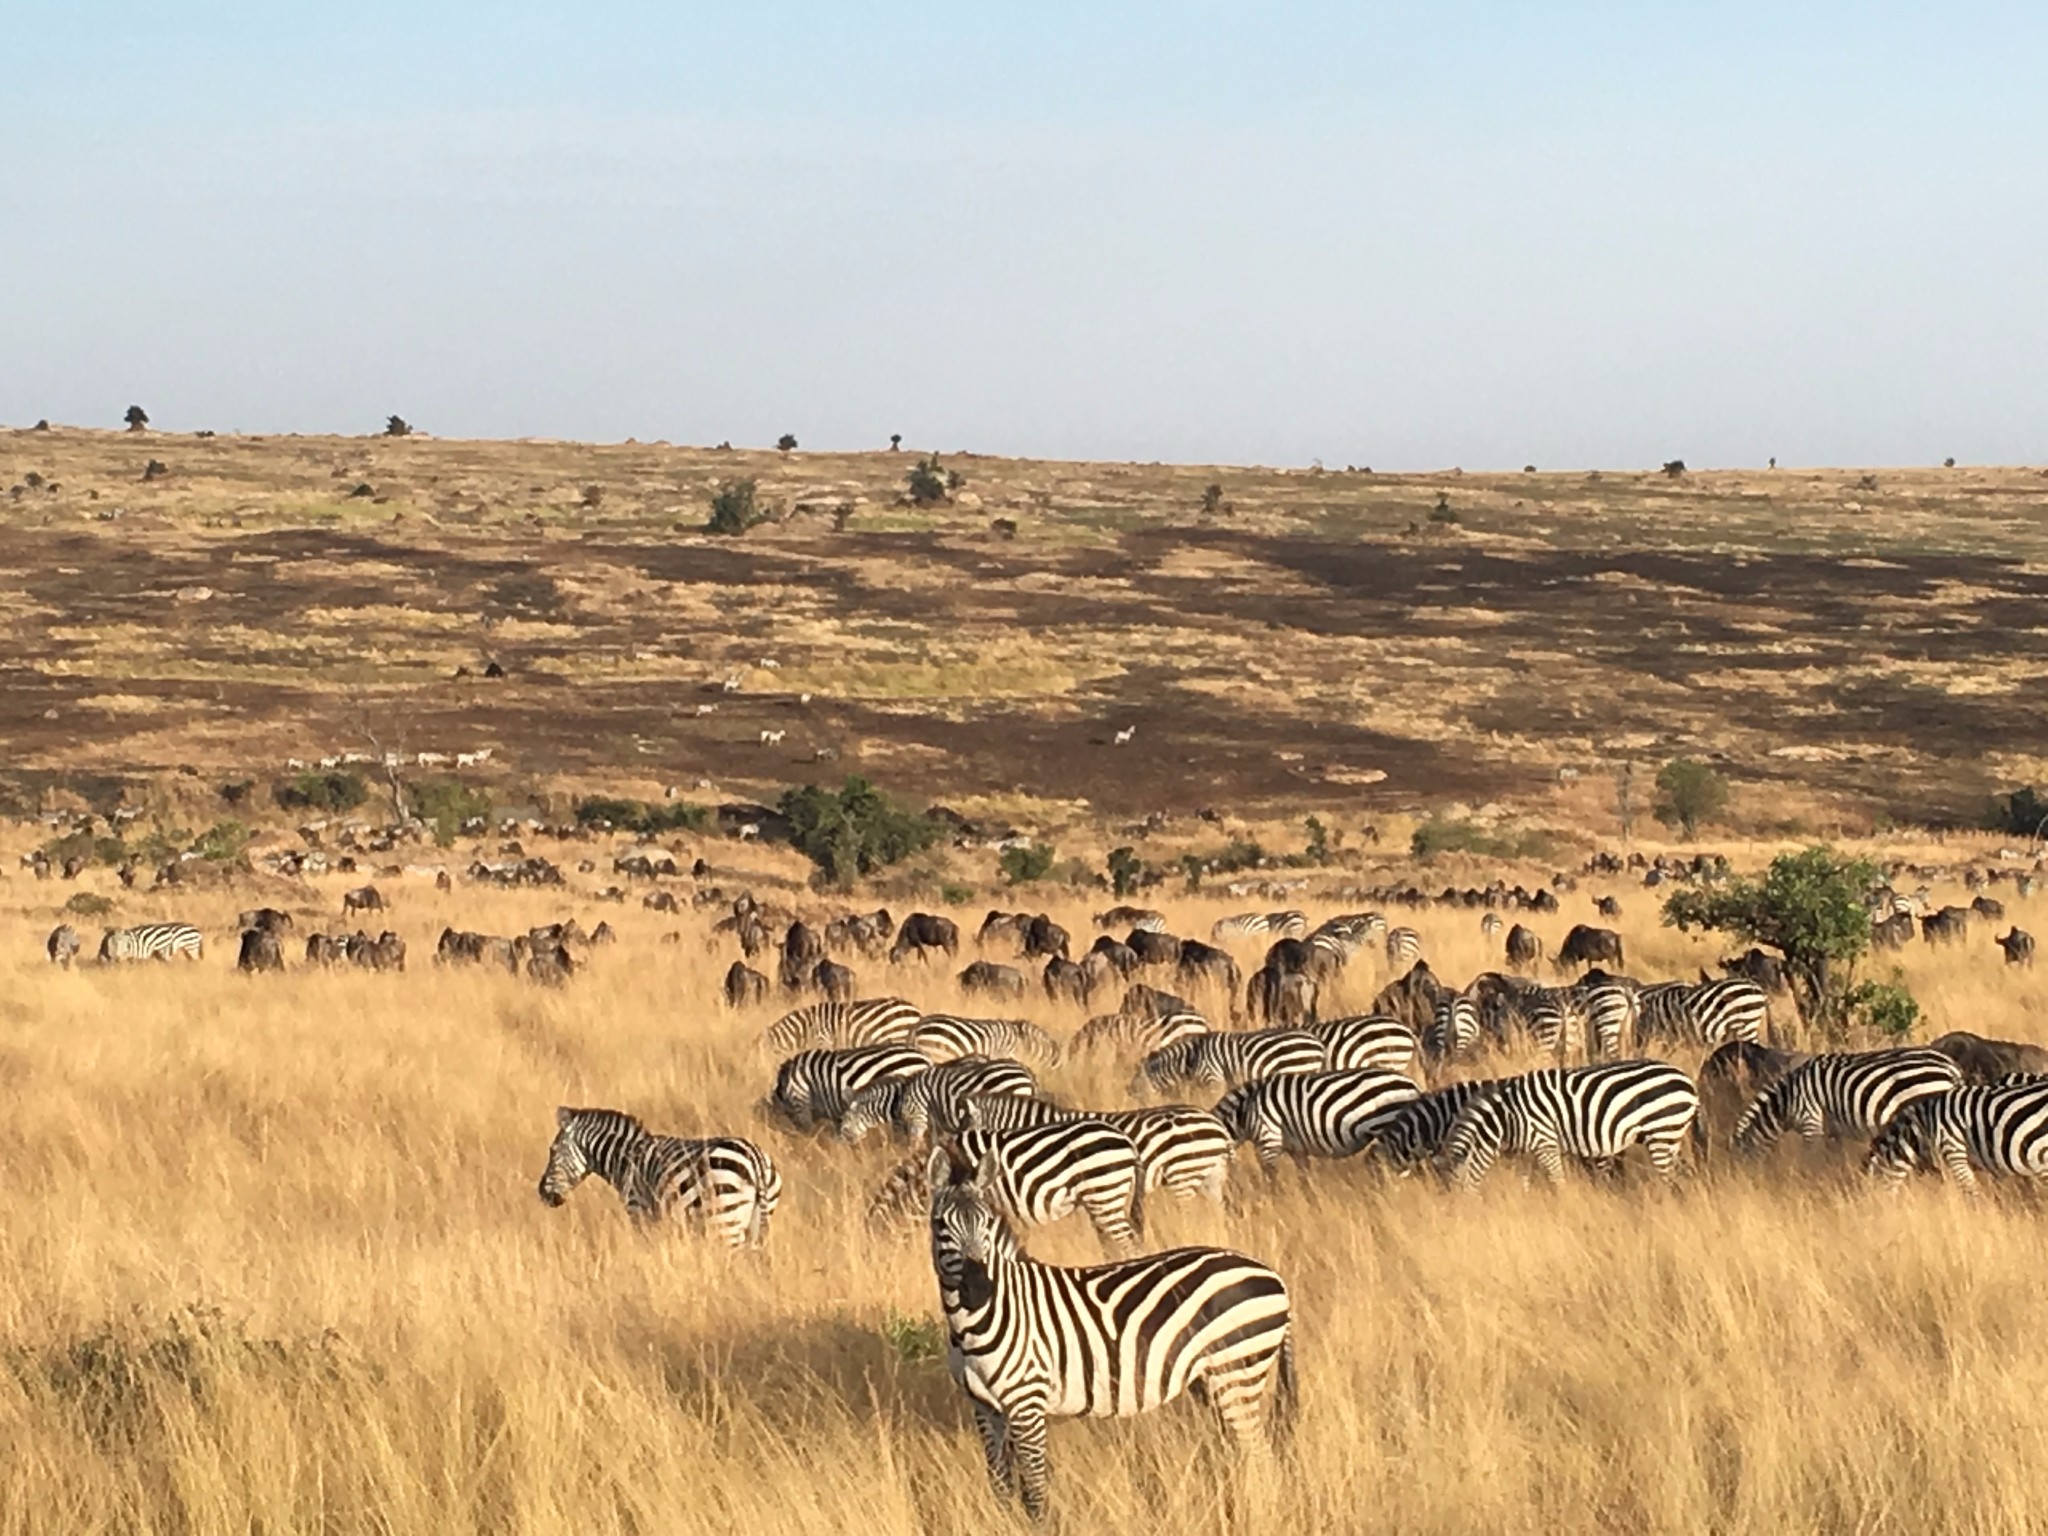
62 945
987 976
1042 938
1894 932
913 1105
816 1086
1154 946
1454 1030
724 1185
1366 1040
364 898
1123 737
1489 924
744 986
2001 1129
2018 946
1181 1149
1040 1174
1412 998
1205 965
1734 1074
1028 1341
1143 1033
1064 981
947 1037
1986 1061
1849 1093
260 951
1320 1114
870 1021
1252 925
1410 1134
270 919
550 967
1285 998
772 738
834 980
1593 1113
1224 1059
1404 946
1702 1013
1951 925
1524 949
1607 906
1132 917
922 931
150 941
1587 945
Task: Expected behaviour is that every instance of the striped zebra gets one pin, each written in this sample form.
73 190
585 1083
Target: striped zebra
1554 1018
1489 924
1612 1014
814 1086
1404 947
1030 1341
1254 925
150 941
1453 1031
1136 1033
1040 1174
910 1105
1223 1059
835 1026
1849 1093
1410 1135
1181 1149
1366 1040
1593 1113
948 1037
1702 1013
1320 1114
2002 1130
723 1184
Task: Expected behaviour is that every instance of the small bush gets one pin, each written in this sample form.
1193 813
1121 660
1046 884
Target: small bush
1688 793
895 441
136 417
1238 854
318 791
87 904
593 497
1023 865
2019 814
639 816
928 483
83 845
397 426
1125 868
786 442
445 804
1212 498
222 843
854 832
915 1339
1318 849
954 894
733 509
1443 511
1883 1008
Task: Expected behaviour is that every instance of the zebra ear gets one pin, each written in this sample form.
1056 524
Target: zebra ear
938 1168
563 1115
985 1170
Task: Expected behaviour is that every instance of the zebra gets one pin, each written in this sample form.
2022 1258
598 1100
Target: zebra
62 945
2002 1129
724 1184
1040 1174
911 1104
1410 1134
819 1085
1454 1031
870 1021
1853 1093
1252 925
1612 1012
1028 1341
1139 1032
1181 1149
1595 1113
947 1037
1327 1114
1366 1040
150 941
1225 1059
1702 1013
1489 924
1404 947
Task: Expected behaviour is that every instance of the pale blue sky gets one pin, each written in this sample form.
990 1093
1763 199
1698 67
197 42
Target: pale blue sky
1410 236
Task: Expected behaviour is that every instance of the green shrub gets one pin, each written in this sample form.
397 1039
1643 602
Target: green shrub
1238 854
1443 511
1882 1007
83 845
1125 869
318 791
1441 834
1318 848
854 832
929 485
1688 793
639 816
1025 864
733 509
2019 814
87 904
445 804
223 842
915 1339
954 894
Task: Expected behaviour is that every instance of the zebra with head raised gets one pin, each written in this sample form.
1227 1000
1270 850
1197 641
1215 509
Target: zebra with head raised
911 1105
1850 1093
1592 1113
1223 1059
818 1086
1181 1149
1031 1341
150 941
1319 1114
2002 1130
724 1185
947 1037
838 1025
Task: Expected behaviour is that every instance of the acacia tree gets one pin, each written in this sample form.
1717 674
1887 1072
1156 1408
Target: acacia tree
1688 793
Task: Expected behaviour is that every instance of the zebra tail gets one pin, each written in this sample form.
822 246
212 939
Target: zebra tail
1699 1137
1138 1204
1286 1394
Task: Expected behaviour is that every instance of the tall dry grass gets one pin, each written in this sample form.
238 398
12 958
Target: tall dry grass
272 1260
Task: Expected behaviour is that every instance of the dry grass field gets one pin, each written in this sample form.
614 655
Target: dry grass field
273 1261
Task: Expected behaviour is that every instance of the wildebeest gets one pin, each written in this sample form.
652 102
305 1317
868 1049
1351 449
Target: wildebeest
269 919
1894 932
260 951
386 952
2018 946
63 944
1734 1074
1002 925
1063 979
1524 948
834 980
744 985
1986 906
603 934
985 976
325 949
1120 956
1044 938
1759 966
1203 964
1143 1002
1586 944
1130 917
1154 946
1985 1061
1947 926
1284 998
1608 906
550 967
922 931
1412 998
364 898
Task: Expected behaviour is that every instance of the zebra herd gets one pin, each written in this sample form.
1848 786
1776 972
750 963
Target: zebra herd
994 1157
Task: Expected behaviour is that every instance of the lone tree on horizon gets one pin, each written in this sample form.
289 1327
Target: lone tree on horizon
786 442
137 418
397 426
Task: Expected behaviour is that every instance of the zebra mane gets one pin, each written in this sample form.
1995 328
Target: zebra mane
598 1119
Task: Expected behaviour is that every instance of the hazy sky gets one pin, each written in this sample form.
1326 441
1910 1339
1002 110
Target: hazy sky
1406 235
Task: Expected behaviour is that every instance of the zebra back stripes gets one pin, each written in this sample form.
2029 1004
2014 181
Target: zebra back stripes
912 1104
724 1184
1248 925
1030 1341
1320 1114
835 1026
151 941
2002 1130
1702 1013
1453 1030
1404 947
947 1037
1223 1059
1183 1150
1366 1040
815 1086
1592 1113
1040 1173
1852 1093
1144 1033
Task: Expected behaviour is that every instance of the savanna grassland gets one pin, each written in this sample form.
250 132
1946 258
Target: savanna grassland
272 1257
274 1261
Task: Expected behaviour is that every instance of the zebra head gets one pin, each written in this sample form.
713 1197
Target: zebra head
791 1096
1473 1141
970 1235
873 1106
586 1141
1166 1067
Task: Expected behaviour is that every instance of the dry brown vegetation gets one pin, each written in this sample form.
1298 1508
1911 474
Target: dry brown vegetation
273 1260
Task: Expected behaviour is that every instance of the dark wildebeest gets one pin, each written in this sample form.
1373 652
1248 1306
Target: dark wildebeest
1044 938
802 948
1524 949
1608 906
1733 1075
1759 966
386 952
74 866
744 985
1153 946
1283 998
1120 955
63 944
1298 957
550 967
1947 926
325 949
1586 944
1098 972
1205 965
986 976
1413 998
1143 1002
1894 932
1064 980
603 933
1008 926
665 901
364 898
269 919
2018 946
834 980
1985 906
922 931
1985 1061
260 951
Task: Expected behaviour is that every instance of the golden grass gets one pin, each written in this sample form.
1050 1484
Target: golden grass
396 1336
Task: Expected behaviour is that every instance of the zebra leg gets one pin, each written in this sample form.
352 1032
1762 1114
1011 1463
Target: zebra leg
995 1447
1112 1217
1955 1161
1027 1452
1268 1147
1550 1162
